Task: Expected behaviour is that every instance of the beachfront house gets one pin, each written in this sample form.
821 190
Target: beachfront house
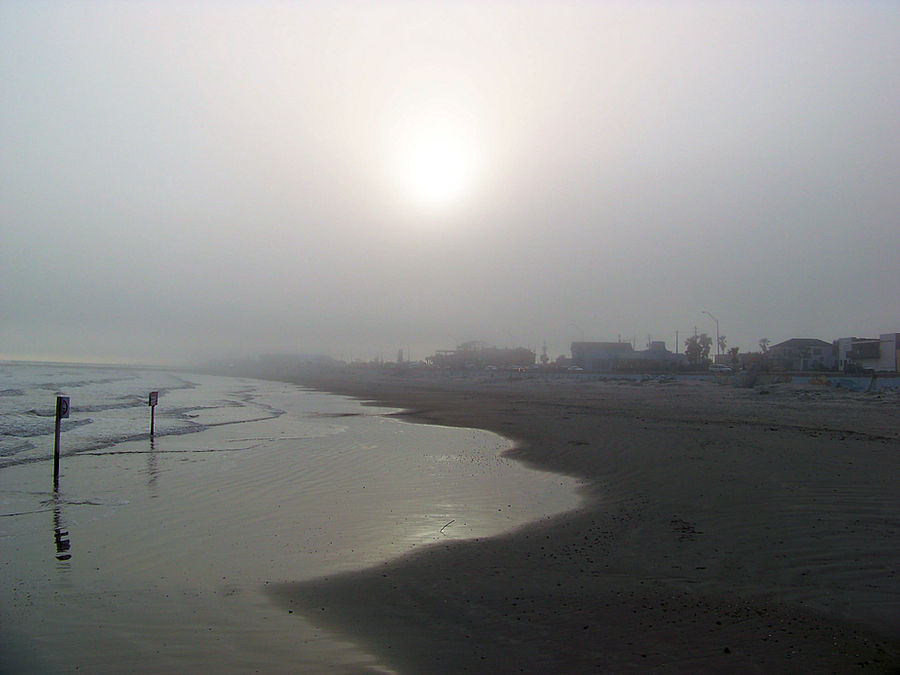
881 354
478 355
803 354
600 355
621 356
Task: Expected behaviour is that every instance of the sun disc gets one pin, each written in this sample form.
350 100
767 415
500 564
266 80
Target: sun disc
435 161
436 171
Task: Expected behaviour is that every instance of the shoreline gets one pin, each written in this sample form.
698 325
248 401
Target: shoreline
721 530
157 552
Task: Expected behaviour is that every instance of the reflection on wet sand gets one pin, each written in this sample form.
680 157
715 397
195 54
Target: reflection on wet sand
152 467
60 535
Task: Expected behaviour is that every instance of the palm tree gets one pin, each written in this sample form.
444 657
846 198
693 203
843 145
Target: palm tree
722 345
705 343
764 345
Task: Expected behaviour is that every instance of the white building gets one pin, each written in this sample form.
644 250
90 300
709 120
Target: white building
881 354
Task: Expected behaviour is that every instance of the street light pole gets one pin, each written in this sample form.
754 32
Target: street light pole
718 348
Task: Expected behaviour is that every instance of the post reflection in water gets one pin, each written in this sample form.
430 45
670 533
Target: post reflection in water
60 535
152 466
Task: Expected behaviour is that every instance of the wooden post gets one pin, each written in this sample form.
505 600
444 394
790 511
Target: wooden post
62 411
154 397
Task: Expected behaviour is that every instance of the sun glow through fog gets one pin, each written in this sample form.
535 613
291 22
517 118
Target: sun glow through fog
435 171
435 159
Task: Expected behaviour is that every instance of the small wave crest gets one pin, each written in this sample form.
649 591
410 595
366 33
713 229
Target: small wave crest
27 425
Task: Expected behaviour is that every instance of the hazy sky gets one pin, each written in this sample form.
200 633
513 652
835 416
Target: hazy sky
183 179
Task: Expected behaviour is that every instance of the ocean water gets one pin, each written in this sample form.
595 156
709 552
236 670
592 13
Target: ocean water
155 553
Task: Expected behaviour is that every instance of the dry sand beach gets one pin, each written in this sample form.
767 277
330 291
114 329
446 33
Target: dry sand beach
722 529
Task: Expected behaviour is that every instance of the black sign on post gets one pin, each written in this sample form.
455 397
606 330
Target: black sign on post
62 412
152 401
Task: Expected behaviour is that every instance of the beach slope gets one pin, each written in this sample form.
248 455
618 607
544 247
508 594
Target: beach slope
722 529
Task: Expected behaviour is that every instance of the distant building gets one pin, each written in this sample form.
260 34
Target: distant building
881 354
803 354
482 355
621 356
600 355
890 352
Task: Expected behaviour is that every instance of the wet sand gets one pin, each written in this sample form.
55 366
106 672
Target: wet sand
155 554
723 530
